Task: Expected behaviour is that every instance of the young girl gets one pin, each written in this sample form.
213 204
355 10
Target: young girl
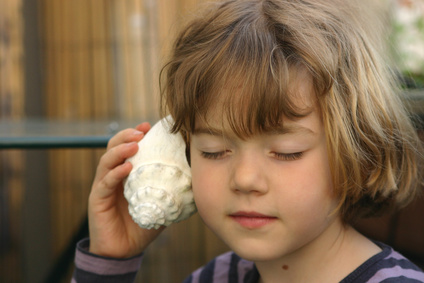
294 130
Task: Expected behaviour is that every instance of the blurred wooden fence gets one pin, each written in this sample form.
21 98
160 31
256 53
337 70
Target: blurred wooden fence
11 163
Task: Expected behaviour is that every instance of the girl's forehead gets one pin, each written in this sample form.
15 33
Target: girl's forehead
237 109
297 87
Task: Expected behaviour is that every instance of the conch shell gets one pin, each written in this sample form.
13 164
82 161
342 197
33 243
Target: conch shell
158 188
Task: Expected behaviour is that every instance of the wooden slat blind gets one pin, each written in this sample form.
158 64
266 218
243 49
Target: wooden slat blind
11 163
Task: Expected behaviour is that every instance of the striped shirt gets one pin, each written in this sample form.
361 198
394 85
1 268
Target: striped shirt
388 266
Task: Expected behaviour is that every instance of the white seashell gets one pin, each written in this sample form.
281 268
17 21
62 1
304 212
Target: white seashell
158 188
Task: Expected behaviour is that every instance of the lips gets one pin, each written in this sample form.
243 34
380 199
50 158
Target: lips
252 220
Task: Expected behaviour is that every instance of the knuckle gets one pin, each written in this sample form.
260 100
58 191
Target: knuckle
101 159
103 183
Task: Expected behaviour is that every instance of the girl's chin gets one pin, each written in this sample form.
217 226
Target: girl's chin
256 254
256 257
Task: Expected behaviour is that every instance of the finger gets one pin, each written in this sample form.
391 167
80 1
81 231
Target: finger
115 157
143 127
129 135
125 136
111 181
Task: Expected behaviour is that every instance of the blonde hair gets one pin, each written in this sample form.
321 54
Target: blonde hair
256 47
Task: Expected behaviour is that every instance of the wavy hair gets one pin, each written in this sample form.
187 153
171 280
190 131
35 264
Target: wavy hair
253 50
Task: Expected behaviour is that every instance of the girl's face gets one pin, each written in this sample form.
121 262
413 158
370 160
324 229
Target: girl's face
269 198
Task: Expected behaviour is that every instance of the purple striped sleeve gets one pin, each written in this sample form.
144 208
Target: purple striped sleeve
89 266
195 276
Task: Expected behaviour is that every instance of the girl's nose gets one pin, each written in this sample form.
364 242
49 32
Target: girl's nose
248 174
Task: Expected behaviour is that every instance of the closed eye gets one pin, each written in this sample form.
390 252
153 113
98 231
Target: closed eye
288 156
213 155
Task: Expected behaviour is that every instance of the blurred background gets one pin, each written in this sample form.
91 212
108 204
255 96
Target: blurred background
82 61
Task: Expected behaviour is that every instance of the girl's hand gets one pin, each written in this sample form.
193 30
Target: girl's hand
113 233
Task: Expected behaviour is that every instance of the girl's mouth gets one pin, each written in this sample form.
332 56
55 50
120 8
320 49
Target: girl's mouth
252 220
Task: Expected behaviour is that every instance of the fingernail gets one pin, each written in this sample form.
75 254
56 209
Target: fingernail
137 133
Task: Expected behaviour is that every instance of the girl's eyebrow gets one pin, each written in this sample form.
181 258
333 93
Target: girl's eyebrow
292 129
286 129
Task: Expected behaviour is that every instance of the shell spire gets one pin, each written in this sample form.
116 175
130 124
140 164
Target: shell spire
158 188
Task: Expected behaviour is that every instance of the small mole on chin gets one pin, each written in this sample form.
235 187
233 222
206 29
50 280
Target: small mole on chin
285 267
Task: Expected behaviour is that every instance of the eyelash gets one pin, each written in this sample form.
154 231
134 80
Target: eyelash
213 155
288 156
281 156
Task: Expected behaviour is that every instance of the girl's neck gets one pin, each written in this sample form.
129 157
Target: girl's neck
328 259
